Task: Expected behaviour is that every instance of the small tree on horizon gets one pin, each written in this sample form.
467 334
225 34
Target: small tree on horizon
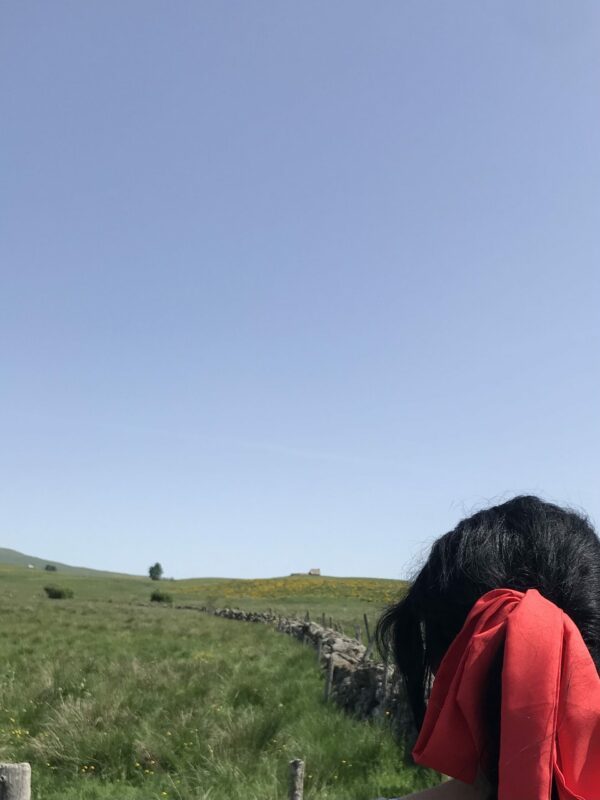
155 572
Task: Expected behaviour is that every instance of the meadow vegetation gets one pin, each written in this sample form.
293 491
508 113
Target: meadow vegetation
345 600
109 695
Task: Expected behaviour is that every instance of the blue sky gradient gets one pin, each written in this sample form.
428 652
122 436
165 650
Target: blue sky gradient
294 285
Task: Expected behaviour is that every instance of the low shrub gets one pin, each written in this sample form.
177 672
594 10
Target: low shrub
160 597
58 592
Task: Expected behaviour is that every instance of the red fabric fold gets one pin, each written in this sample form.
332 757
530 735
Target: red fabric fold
550 708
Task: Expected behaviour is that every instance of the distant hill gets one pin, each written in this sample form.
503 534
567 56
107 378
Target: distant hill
15 559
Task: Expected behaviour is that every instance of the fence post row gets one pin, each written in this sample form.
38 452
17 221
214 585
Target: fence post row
15 781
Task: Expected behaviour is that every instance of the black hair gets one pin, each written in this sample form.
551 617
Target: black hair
521 544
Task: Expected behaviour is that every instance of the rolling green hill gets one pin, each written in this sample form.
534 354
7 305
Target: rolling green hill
15 559
109 695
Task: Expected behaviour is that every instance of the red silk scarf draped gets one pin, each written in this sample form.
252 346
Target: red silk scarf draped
550 712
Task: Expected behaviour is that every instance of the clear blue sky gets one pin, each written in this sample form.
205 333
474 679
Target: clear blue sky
291 285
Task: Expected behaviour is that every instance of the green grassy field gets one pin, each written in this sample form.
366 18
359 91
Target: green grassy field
345 600
109 696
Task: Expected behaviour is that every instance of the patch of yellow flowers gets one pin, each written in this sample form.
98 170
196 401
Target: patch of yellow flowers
369 590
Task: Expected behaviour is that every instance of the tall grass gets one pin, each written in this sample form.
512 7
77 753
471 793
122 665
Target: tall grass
130 701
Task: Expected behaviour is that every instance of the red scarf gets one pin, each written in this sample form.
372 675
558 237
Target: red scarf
550 713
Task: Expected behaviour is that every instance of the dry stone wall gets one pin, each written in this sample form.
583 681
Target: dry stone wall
363 687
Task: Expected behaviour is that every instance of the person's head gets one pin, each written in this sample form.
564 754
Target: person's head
522 544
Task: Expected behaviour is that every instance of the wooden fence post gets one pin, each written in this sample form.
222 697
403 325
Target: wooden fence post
329 678
296 779
384 688
367 629
357 635
15 781
323 619
368 651
370 640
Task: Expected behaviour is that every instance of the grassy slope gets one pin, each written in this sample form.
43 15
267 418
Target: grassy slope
345 600
13 558
108 696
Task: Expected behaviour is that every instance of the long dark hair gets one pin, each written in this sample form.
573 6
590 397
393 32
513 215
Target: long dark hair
521 544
